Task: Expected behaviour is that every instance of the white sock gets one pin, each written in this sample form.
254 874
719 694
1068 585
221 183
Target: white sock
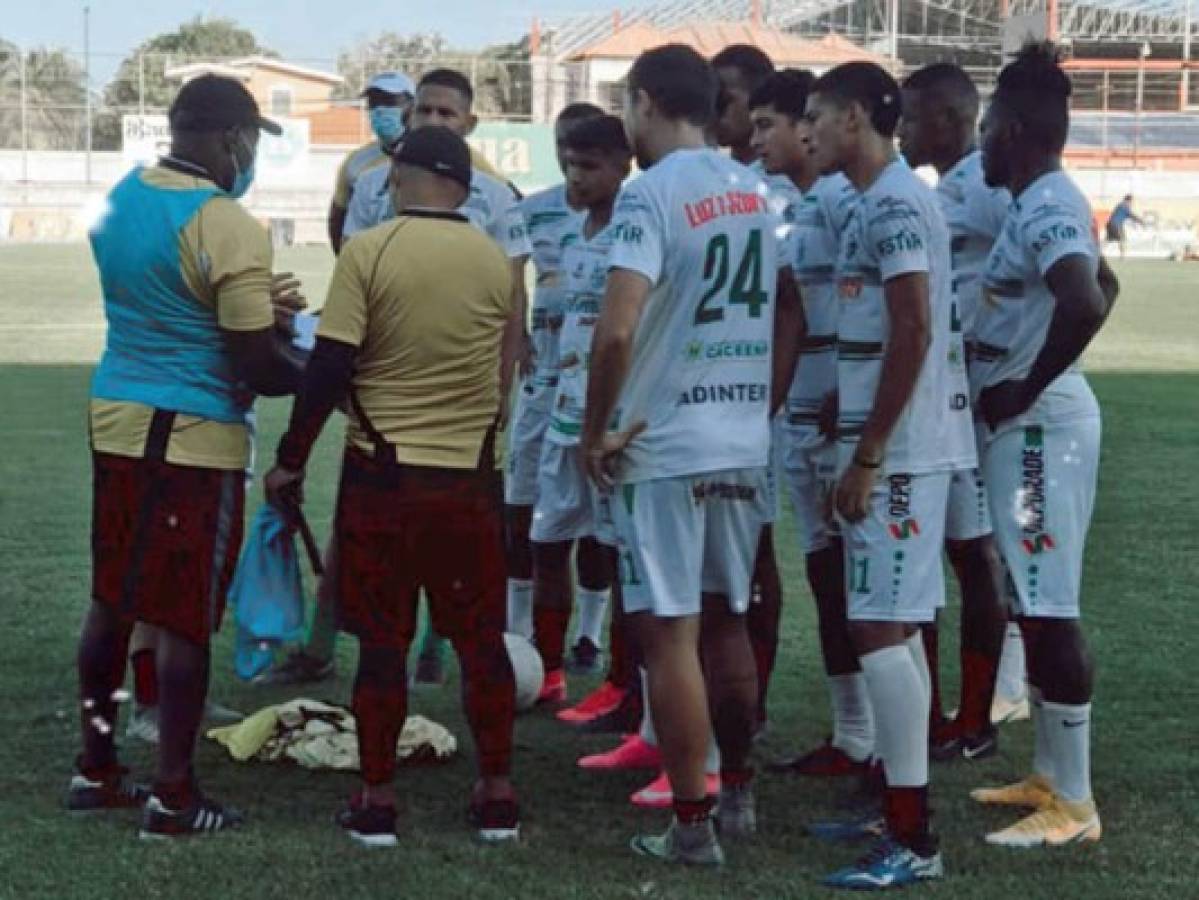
1011 681
1069 731
900 715
647 720
1042 754
520 607
592 608
853 720
916 648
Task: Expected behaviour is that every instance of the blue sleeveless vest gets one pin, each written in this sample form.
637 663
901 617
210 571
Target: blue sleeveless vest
164 347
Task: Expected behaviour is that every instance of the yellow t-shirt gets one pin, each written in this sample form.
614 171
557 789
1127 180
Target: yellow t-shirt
425 298
367 157
225 258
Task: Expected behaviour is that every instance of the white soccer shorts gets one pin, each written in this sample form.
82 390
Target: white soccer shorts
811 473
567 506
1042 481
680 538
969 515
524 447
893 556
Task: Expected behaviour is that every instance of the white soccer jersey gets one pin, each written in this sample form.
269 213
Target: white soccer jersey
819 221
897 229
1050 220
975 214
370 203
492 207
549 222
584 272
699 227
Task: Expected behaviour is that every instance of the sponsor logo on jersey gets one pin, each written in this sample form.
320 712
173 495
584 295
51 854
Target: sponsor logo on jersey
1056 233
696 351
730 203
723 490
628 233
724 393
1031 505
903 241
850 288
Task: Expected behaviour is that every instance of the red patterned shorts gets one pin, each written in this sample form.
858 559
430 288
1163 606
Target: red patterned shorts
165 541
401 528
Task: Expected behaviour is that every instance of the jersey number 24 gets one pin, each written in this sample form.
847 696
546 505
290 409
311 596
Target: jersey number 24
746 287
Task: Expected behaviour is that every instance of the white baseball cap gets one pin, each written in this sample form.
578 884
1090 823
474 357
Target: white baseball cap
391 83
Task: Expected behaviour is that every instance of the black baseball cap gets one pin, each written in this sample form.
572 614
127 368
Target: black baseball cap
439 150
214 103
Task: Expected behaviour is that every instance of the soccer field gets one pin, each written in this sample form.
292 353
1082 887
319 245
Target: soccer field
1139 594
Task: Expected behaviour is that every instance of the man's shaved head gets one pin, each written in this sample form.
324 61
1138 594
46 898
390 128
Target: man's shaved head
940 115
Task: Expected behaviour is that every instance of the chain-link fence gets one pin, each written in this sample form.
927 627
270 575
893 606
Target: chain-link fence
45 104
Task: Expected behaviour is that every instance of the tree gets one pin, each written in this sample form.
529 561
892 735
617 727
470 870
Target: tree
141 80
412 54
503 80
55 99
500 74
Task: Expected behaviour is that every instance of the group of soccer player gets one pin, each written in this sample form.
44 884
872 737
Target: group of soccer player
910 373
801 309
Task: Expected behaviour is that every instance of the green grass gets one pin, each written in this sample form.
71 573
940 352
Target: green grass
1142 566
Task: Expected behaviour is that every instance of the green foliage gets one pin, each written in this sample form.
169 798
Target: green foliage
142 74
54 103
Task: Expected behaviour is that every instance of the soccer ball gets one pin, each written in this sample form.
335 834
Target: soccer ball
527 669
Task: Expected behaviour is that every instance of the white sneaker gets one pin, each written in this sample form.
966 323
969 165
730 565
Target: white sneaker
1005 709
143 724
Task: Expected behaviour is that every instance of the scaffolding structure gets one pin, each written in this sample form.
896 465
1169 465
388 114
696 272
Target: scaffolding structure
915 29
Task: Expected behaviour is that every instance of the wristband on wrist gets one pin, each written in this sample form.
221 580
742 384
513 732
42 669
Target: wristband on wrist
863 464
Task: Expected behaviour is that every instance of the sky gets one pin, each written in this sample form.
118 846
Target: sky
299 30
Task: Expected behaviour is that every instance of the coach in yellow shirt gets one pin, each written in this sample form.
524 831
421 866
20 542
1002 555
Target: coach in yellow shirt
421 332
185 274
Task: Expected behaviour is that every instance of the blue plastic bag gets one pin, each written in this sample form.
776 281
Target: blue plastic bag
267 595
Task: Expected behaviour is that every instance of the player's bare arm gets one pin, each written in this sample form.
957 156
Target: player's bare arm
907 298
520 297
513 350
1081 307
790 328
611 352
1108 282
337 224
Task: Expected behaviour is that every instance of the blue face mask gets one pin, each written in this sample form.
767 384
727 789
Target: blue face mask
387 122
242 178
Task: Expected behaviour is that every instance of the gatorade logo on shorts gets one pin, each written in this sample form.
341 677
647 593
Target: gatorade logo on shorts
1031 502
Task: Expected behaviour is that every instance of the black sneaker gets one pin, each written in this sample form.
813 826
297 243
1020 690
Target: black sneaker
203 816
969 747
495 821
369 824
114 791
298 668
585 658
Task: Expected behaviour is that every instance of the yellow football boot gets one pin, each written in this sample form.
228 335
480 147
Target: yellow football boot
1035 792
1060 823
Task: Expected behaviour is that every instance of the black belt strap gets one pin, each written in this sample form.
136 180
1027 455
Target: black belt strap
159 436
